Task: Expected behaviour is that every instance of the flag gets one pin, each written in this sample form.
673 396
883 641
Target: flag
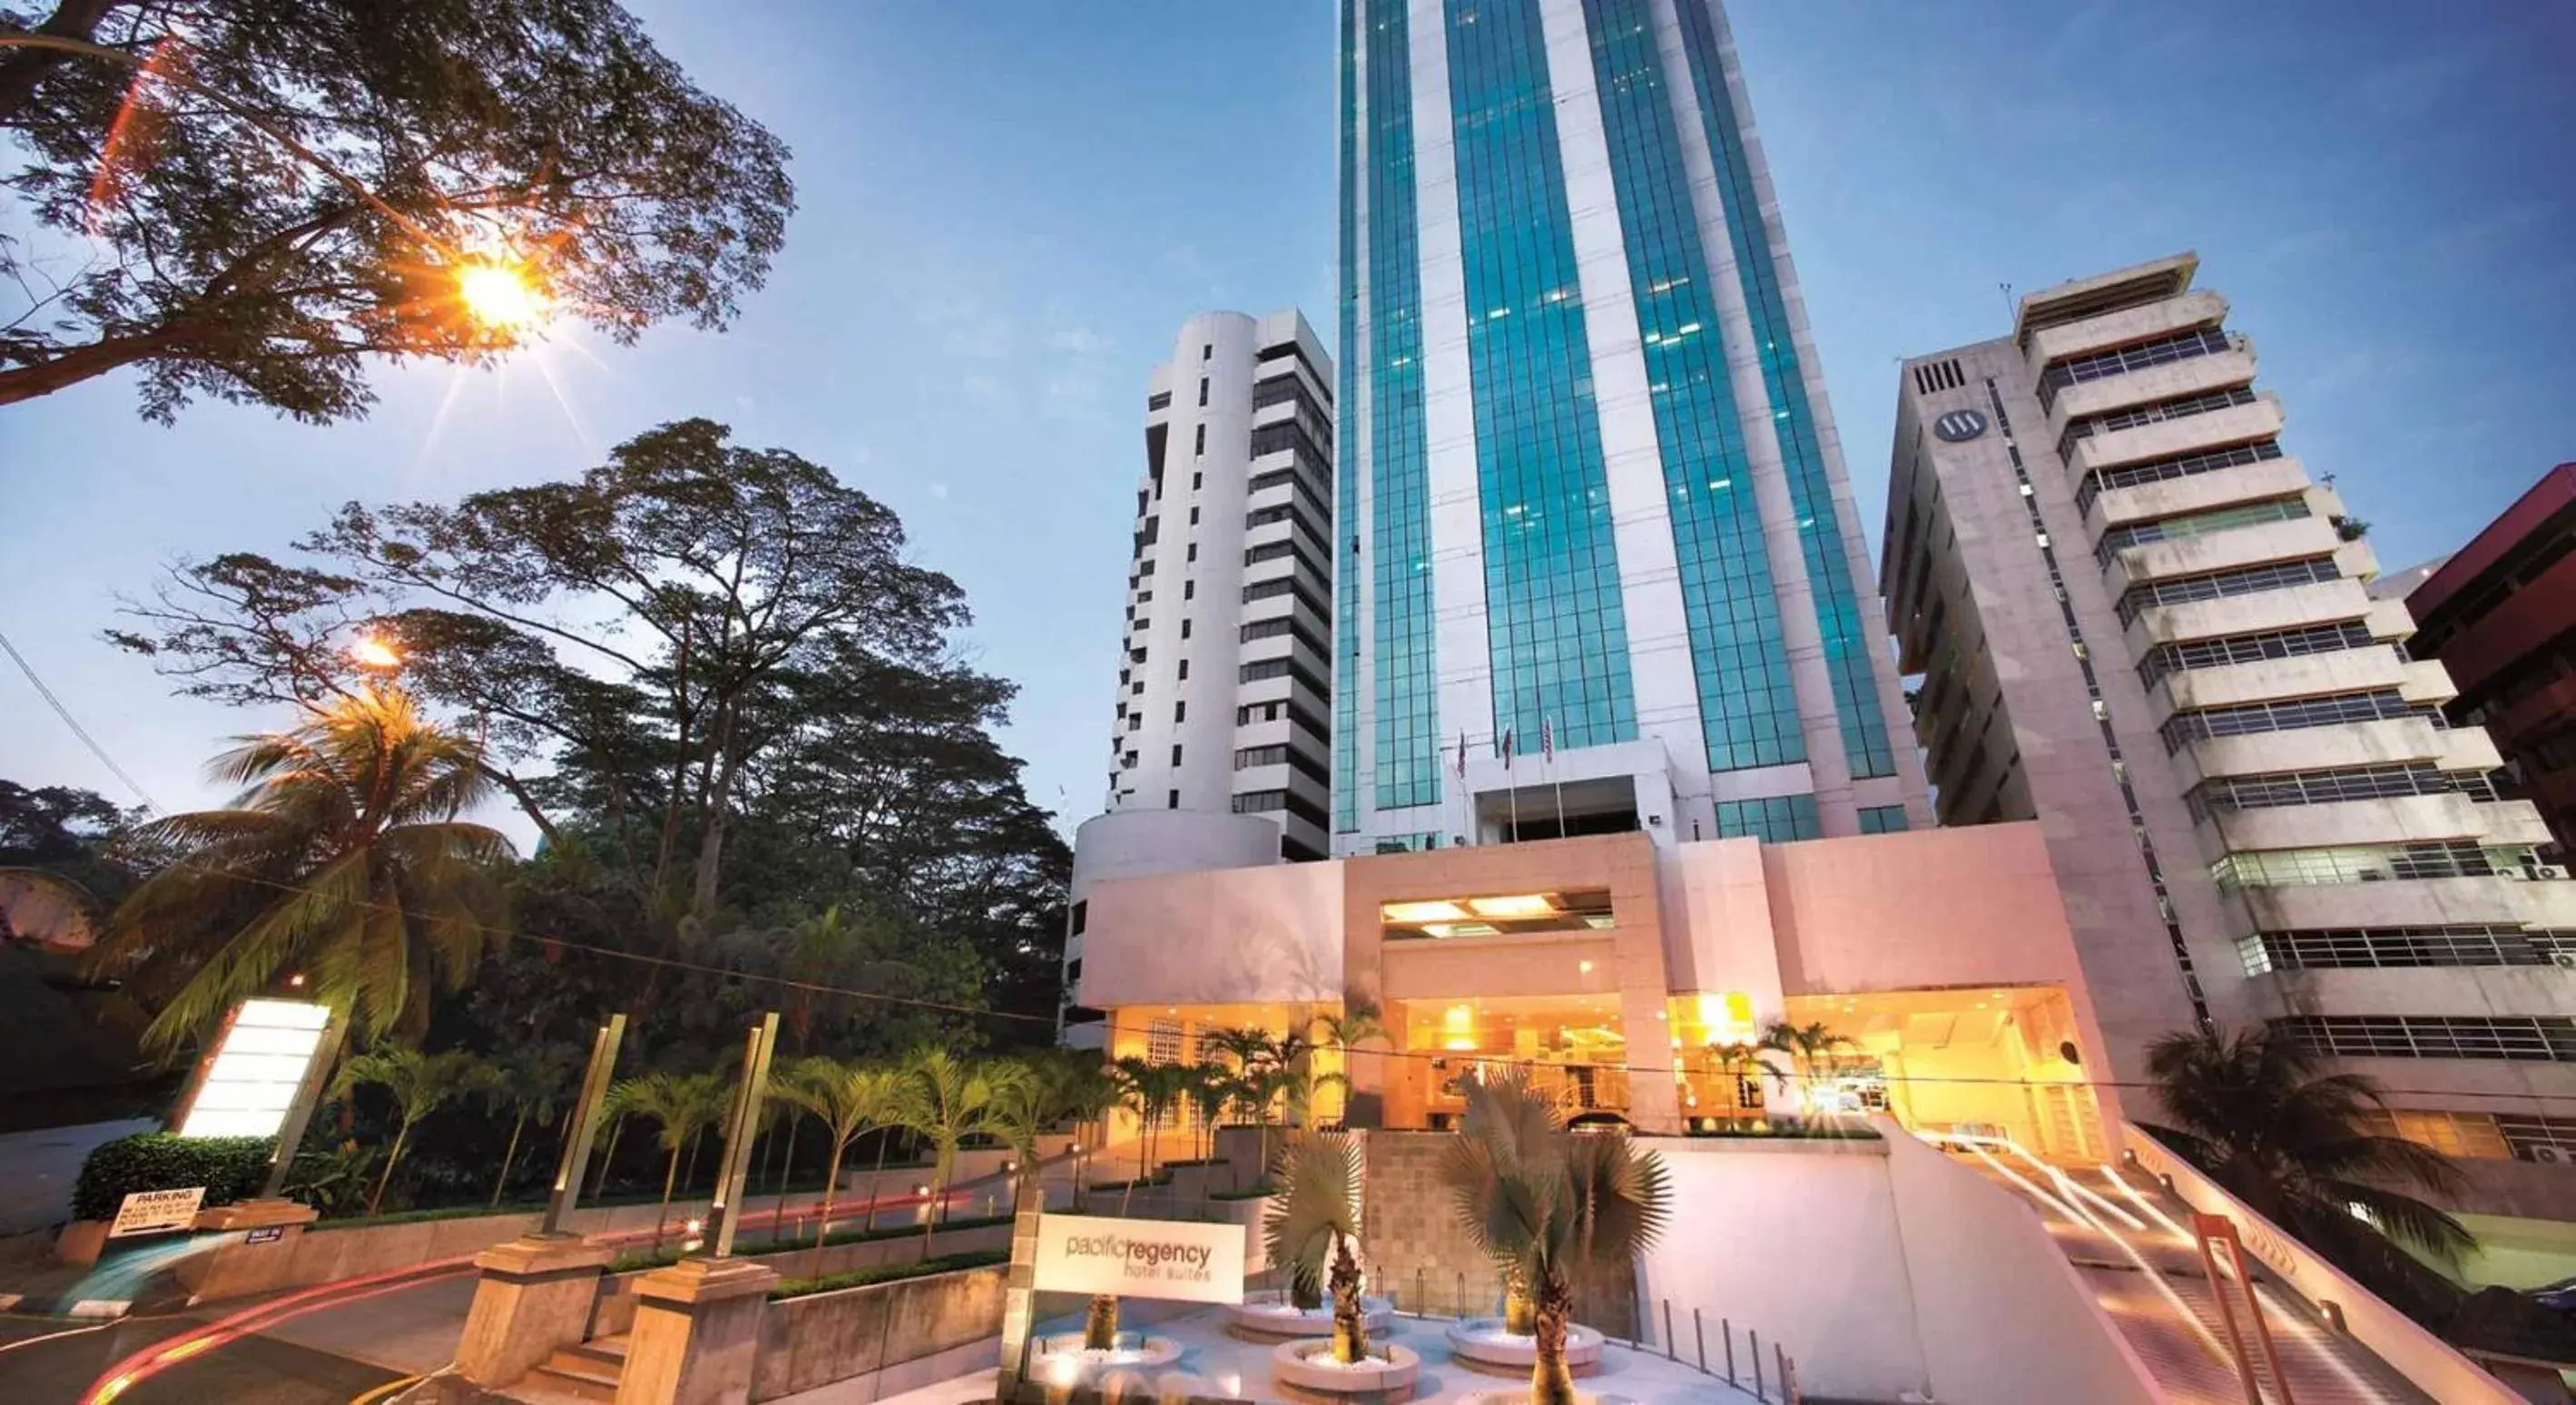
1505 745
1547 739
1462 755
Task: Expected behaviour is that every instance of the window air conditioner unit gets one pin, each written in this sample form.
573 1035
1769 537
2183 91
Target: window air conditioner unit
2548 870
2548 1155
2566 959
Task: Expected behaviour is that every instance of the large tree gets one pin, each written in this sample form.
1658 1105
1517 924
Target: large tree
247 198
711 678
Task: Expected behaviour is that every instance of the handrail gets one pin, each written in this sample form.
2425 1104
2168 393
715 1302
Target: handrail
2434 1366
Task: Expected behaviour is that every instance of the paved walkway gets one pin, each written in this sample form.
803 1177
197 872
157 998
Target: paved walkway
1215 1364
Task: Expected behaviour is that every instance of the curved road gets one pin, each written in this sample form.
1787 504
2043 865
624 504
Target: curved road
319 1345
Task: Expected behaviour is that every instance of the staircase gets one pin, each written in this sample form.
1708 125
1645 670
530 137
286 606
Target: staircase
588 1371
2125 1236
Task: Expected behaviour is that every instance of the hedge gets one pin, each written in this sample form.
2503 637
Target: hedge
888 1273
632 1260
230 1168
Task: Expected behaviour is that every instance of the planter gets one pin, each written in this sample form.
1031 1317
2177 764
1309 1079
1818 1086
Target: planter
1307 1368
1271 1317
1480 1343
1521 1397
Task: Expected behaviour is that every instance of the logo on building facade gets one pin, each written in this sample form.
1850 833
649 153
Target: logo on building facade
1959 426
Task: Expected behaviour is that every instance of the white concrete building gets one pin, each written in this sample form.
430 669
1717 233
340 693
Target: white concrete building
2252 800
1593 495
1220 747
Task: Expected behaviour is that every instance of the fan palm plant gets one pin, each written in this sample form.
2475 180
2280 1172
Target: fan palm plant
344 860
2252 1111
420 1084
945 1100
848 1099
1548 1206
684 1105
1313 1230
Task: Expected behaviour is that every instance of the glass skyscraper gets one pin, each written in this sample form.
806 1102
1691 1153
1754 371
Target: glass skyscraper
1600 566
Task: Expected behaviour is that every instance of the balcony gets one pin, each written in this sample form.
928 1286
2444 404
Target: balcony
2404 819
2388 742
2130 324
2261 680
2413 902
2232 549
2190 434
2197 375
2469 991
2199 492
2291 607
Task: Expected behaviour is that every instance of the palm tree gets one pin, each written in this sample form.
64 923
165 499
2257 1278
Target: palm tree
1264 1086
420 1084
1357 1023
1313 1229
344 860
1548 1206
685 1105
946 1100
1806 1045
1734 1062
848 1099
1079 1088
1207 1091
541 1083
1243 1044
2254 1114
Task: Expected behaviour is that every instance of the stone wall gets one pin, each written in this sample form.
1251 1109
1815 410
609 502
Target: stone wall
1420 1255
815 1340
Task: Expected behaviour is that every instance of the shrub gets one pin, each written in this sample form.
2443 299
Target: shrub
230 1168
887 1273
671 1253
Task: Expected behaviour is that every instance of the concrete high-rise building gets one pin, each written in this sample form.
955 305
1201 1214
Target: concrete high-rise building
1223 688
2253 803
1595 540
1220 741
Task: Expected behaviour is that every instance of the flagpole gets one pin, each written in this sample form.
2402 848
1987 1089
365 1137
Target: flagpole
1547 734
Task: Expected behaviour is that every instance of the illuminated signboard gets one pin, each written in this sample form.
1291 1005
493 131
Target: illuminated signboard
252 1080
1201 1263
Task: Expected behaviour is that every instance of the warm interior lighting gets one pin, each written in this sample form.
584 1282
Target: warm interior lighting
499 296
1517 905
1423 912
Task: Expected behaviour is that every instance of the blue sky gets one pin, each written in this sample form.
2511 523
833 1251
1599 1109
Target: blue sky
1008 209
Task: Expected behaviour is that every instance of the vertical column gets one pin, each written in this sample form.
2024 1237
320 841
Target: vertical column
1465 666
1659 658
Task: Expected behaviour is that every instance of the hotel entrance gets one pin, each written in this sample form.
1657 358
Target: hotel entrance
1991 1061
1572 1047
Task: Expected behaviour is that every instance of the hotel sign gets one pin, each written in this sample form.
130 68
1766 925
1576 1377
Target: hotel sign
1200 1263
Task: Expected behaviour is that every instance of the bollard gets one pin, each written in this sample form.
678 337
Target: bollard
1458 1304
1788 1377
1668 1331
1757 1362
1699 1334
1726 1328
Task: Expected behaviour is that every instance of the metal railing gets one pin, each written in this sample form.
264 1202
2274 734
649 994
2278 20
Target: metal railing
1741 1359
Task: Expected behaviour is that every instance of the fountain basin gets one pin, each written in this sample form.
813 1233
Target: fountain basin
1061 1360
1307 1368
1481 1343
1271 1316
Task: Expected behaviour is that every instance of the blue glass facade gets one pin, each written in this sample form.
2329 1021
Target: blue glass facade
1748 704
1778 820
1346 490
1849 638
1407 744
1556 626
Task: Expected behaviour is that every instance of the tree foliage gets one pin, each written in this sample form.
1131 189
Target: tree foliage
344 862
267 192
711 678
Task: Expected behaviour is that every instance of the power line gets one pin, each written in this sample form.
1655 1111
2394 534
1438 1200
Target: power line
74 723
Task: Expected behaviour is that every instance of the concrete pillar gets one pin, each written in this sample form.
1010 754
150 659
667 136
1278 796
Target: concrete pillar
534 1299
697 1333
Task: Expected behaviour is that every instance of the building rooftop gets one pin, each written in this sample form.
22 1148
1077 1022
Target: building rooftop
2166 277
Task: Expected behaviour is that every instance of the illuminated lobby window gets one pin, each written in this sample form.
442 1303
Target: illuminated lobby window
1501 914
